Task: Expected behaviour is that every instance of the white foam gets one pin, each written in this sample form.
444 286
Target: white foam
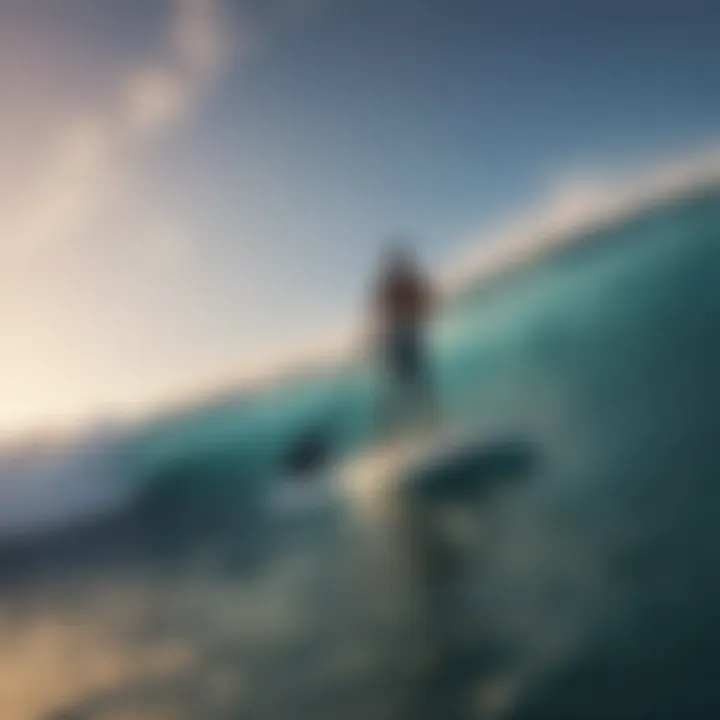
575 208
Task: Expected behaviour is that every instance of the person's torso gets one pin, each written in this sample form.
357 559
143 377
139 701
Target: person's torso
404 300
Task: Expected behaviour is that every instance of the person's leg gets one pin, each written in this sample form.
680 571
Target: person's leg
390 400
407 400
423 394
388 417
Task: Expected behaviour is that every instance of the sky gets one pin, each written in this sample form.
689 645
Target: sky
192 187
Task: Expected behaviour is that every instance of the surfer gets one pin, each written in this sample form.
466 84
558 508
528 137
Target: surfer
403 303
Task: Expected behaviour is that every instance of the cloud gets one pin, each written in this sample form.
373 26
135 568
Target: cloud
96 276
198 49
72 225
86 163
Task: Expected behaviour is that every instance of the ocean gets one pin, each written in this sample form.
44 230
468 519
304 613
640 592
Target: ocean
176 567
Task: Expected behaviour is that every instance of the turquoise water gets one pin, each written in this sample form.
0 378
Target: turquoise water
588 590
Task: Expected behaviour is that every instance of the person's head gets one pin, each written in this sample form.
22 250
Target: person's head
397 257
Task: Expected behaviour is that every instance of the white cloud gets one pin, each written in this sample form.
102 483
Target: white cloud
87 161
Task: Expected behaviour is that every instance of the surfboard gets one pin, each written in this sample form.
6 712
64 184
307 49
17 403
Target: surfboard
432 468
442 467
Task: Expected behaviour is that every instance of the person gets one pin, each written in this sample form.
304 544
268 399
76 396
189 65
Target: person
403 305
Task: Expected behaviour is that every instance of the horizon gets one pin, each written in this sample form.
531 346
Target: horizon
196 188
555 223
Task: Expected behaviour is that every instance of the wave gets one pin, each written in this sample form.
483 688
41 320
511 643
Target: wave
576 209
206 452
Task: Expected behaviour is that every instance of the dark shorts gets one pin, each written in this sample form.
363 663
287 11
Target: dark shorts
405 353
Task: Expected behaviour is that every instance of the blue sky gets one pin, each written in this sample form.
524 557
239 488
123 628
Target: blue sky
193 185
